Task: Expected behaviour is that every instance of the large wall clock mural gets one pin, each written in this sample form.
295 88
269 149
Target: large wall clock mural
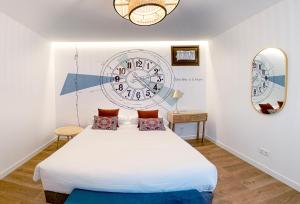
141 79
131 79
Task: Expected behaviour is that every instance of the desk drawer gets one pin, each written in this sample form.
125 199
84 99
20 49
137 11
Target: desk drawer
189 118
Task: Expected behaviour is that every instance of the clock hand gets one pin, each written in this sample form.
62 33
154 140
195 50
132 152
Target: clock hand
143 78
143 83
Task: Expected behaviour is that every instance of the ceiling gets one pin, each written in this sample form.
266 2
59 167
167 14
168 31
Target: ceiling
96 20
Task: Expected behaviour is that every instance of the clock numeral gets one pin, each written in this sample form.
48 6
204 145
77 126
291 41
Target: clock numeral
148 93
155 87
138 95
120 87
139 63
129 65
156 71
160 79
117 78
129 92
122 71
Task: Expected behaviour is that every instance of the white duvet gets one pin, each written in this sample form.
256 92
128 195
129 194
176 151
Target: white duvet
126 160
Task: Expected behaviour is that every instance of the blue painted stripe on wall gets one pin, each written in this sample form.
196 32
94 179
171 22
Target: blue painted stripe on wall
280 80
84 81
170 100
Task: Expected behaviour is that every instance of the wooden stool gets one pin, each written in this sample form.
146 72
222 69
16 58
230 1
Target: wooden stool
68 131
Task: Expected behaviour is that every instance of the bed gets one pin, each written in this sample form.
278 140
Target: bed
127 161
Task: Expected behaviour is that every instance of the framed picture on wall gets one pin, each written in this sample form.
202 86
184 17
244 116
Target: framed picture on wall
185 55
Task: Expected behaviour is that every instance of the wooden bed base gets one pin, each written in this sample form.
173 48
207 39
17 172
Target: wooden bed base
60 198
55 198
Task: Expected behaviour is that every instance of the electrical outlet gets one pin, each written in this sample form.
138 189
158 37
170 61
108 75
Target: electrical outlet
264 152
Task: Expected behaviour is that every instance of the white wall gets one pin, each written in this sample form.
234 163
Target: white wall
91 59
27 103
234 124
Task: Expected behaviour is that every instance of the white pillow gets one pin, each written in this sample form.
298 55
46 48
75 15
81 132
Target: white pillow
128 120
166 122
122 119
133 120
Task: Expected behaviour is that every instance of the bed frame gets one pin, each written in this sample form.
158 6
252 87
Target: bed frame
60 198
55 198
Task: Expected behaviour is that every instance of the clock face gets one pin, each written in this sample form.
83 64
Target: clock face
140 79
261 85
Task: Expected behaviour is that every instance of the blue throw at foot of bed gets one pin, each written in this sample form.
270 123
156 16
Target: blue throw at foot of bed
180 197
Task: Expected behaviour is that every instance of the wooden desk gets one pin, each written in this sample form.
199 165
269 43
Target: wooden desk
188 117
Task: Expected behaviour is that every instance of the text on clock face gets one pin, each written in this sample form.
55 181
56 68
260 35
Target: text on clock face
137 79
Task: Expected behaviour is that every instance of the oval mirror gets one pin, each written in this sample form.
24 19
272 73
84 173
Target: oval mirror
269 81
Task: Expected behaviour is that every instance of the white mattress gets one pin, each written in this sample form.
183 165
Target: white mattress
126 160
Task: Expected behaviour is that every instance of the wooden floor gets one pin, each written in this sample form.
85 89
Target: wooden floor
238 181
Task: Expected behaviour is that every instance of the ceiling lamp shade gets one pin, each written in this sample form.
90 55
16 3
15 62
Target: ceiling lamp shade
145 12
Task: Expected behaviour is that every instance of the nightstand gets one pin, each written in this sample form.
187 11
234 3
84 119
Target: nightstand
69 132
188 117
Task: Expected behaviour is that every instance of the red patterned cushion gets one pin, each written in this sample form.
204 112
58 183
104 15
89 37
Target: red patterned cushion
147 114
148 124
105 123
109 113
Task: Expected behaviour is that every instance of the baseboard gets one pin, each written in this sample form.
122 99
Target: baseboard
258 165
25 159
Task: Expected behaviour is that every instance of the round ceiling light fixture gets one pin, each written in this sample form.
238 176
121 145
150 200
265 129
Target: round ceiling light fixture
145 12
